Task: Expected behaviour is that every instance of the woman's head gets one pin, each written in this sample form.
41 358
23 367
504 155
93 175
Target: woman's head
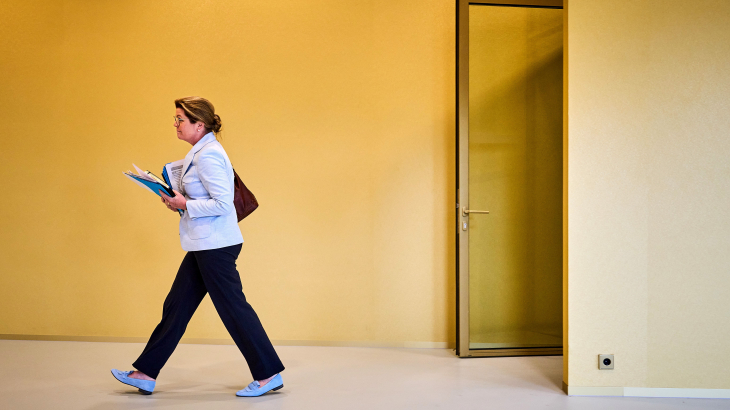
198 110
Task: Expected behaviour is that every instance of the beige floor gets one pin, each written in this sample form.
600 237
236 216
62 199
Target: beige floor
75 375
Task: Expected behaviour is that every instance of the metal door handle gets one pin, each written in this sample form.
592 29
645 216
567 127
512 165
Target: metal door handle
466 212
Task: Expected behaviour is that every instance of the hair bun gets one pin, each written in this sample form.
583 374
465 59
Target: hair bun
218 123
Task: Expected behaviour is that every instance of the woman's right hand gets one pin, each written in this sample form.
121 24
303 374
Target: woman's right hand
170 207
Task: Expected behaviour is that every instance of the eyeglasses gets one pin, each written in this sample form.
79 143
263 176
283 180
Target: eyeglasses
178 120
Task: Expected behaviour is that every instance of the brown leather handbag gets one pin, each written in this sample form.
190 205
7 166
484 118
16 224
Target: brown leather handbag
243 199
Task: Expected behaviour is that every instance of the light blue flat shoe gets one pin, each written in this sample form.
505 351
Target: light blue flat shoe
255 390
144 386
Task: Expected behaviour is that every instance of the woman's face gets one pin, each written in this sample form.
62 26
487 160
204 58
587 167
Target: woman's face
187 131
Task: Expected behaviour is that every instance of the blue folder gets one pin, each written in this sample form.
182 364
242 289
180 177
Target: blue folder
155 187
166 178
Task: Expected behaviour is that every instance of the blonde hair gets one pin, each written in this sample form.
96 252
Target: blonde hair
200 109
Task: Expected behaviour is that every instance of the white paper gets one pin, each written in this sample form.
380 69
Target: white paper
143 174
174 173
138 183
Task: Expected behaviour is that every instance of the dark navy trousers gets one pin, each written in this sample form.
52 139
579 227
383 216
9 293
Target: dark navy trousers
211 271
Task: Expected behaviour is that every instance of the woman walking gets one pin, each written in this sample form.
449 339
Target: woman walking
209 233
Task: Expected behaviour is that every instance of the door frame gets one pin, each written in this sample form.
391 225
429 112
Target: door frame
462 182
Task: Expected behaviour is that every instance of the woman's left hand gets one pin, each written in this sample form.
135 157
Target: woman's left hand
178 201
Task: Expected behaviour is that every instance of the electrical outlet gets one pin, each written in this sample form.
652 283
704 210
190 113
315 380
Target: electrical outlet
605 362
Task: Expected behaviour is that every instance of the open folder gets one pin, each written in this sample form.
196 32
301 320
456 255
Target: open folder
171 174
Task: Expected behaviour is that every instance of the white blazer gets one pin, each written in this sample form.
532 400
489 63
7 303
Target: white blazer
210 220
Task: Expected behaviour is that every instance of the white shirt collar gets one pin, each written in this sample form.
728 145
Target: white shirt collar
209 137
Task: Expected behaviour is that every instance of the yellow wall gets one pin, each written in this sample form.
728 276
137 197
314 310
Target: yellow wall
648 123
338 115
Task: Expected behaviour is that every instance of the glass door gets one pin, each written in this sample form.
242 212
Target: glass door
510 133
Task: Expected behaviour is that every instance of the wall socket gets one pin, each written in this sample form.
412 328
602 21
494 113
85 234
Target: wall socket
605 362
